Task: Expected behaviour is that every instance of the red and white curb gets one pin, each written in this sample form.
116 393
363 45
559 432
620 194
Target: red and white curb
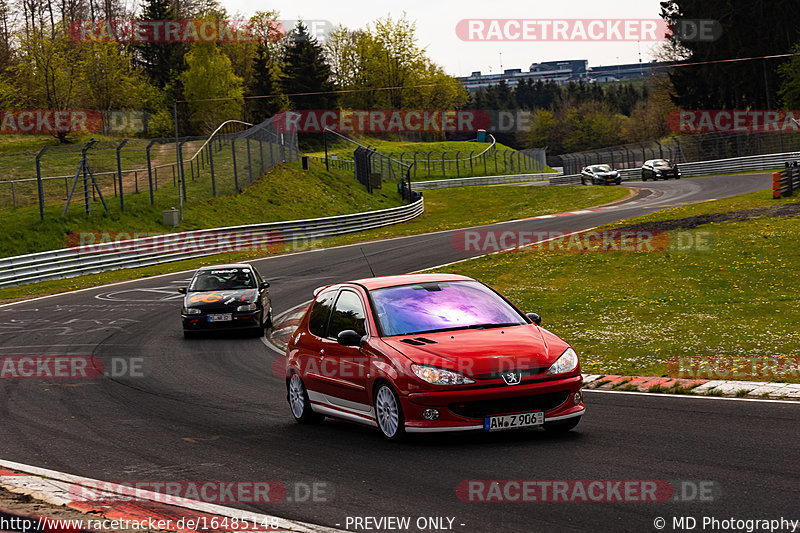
701 387
63 489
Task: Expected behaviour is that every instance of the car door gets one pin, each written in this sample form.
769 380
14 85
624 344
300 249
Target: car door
311 346
346 368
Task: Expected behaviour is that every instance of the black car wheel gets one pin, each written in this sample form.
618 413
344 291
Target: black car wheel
189 334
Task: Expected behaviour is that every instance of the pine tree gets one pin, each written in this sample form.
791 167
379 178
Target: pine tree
263 84
163 62
305 71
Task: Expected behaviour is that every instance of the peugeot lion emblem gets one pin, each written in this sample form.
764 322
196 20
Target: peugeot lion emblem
512 378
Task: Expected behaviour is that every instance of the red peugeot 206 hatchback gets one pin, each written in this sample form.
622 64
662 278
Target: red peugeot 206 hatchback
429 353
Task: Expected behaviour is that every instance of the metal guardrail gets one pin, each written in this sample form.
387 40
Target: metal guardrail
785 182
702 168
153 250
479 180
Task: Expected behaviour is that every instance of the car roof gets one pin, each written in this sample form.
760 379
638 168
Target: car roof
406 279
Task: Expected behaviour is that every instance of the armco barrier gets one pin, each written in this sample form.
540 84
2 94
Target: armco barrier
702 168
66 263
785 182
479 180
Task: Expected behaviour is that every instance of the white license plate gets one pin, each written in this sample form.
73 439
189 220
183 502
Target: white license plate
225 317
521 420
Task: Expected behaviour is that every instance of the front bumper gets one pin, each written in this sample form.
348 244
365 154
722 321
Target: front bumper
464 410
239 320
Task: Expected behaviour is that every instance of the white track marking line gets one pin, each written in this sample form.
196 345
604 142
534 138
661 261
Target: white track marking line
50 487
692 396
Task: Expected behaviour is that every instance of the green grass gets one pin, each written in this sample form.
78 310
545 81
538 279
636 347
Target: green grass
444 209
630 313
431 168
285 193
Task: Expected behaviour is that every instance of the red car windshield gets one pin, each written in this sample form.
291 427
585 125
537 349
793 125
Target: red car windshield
441 306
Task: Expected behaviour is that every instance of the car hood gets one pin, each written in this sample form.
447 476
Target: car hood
220 299
483 352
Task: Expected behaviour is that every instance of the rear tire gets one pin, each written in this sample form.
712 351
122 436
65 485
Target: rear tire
389 413
189 334
299 403
562 426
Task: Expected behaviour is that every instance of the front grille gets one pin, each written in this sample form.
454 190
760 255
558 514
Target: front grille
525 373
521 404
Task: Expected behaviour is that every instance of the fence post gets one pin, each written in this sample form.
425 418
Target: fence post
261 154
150 170
213 179
428 172
458 174
182 174
119 174
471 169
39 185
235 174
249 160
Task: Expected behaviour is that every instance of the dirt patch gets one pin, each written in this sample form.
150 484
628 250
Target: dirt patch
782 210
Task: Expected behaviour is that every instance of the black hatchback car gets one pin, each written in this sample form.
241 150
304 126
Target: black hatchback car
226 297
657 169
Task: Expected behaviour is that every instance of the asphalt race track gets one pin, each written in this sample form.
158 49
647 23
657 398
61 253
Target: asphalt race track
212 409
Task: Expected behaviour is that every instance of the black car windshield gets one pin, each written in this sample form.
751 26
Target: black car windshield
441 306
223 279
601 168
661 163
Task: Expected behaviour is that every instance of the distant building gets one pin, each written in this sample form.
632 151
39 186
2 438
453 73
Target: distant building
560 72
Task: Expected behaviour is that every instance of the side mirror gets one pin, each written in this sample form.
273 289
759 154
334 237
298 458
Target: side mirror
264 285
535 318
349 337
182 290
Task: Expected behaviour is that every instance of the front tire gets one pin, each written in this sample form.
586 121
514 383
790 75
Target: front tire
389 413
299 403
562 426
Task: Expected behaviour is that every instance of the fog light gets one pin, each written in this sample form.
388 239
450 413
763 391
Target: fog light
430 414
577 398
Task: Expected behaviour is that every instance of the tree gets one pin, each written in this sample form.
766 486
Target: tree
49 76
789 91
306 71
110 79
755 29
161 61
214 93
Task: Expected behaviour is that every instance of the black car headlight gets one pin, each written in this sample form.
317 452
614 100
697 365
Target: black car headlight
248 307
193 311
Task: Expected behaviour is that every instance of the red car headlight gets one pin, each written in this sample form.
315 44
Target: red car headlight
439 376
567 362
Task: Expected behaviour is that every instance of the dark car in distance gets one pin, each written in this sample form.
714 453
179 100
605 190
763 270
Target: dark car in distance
226 297
600 175
657 169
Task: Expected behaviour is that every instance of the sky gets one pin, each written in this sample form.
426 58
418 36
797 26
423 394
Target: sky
436 27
